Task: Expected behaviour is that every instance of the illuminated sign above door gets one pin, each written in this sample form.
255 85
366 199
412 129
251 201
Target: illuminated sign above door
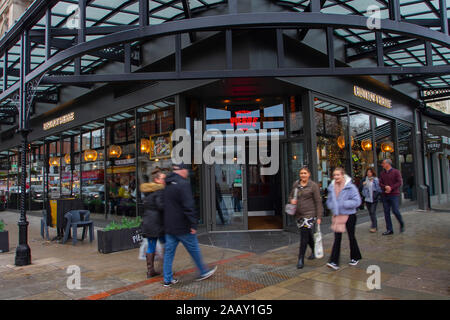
372 97
243 118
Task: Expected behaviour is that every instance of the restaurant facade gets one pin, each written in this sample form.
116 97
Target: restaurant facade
99 142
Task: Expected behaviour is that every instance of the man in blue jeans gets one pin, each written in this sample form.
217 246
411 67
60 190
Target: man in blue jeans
180 224
390 182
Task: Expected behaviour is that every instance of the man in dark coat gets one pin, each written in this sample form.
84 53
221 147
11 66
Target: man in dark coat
390 182
180 223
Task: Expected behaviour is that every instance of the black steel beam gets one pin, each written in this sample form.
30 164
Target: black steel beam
232 6
143 13
379 49
409 79
48 35
235 73
394 10
443 15
229 48
280 48
386 49
188 15
330 48
5 71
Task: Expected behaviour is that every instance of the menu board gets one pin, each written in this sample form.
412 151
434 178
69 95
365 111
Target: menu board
161 145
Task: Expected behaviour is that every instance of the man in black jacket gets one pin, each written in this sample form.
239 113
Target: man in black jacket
180 223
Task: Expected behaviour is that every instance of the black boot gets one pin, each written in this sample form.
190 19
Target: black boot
150 265
312 256
300 263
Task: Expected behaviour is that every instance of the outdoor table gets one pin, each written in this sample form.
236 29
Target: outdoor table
58 208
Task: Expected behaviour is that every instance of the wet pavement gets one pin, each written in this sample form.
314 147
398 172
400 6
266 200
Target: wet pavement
413 265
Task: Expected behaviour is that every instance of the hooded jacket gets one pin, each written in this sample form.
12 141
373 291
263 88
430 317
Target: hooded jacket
179 208
348 200
153 224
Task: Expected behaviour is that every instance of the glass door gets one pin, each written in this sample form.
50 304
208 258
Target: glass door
229 197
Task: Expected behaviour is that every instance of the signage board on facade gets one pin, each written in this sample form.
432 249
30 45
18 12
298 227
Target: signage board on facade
434 145
59 121
372 97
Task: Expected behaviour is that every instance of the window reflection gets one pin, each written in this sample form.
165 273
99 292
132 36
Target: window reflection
332 141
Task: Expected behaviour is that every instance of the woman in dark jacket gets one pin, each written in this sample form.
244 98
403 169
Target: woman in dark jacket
309 208
153 225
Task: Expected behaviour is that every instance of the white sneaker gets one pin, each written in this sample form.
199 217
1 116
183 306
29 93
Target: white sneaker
353 262
333 265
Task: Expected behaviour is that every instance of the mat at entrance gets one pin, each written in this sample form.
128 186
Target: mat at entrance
265 223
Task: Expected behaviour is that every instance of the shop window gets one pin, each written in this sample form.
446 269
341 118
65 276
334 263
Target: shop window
156 123
36 176
121 164
295 116
384 142
92 167
361 145
332 141
13 176
406 161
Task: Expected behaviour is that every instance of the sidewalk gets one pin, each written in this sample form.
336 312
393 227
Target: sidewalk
414 265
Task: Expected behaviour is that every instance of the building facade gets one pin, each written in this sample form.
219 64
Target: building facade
99 142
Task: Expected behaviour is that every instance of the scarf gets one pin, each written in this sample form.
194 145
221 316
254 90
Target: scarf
370 188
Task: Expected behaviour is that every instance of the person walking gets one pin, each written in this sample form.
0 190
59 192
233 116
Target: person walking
180 224
390 182
343 201
153 224
371 192
309 208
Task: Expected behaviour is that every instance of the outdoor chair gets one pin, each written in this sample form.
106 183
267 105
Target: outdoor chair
44 225
77 219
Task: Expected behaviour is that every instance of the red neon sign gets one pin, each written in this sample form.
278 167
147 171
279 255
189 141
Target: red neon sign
243 118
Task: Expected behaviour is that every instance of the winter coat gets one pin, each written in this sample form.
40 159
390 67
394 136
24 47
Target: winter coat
309 201
153 221
348 200
179 207
376 189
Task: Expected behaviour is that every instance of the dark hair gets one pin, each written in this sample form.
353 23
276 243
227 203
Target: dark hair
156 174
342 170
304 168
374 174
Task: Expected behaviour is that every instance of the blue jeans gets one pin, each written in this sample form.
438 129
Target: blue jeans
191 244
152 243
388 202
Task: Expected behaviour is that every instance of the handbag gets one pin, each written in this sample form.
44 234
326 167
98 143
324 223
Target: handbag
338 223
290 209
318 246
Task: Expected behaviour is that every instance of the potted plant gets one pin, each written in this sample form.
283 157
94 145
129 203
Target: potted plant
120 236
4 238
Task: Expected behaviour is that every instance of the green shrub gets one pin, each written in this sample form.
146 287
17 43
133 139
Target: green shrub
126 223
2 225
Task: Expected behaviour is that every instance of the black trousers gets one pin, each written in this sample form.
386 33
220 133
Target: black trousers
354 249
306 237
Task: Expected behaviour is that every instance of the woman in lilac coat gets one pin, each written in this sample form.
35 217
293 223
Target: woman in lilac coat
343 201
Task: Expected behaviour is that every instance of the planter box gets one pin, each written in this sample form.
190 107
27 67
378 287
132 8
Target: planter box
4 241
118 240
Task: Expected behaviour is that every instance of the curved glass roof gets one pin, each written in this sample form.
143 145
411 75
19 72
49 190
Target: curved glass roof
425 12
116 13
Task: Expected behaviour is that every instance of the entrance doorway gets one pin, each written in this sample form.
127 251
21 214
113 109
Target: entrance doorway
243 197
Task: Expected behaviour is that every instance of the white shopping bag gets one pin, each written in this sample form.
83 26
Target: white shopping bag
143 249
159 250
318 247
